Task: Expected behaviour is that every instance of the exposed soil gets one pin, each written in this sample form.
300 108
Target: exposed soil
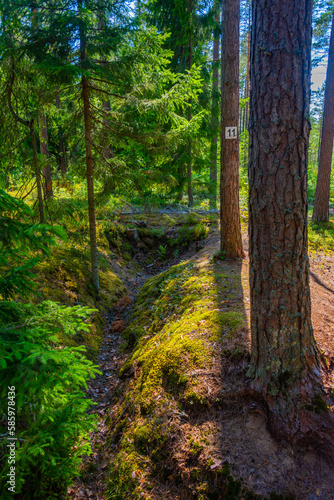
237 430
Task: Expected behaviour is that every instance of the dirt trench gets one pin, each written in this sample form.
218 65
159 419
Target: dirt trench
103 390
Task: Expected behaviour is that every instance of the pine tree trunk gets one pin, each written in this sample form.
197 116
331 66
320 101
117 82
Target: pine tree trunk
90 187
247 67
322 193
231 243
214 117
61 145
190 63
284 361
44 147
107 151
37 172
89 164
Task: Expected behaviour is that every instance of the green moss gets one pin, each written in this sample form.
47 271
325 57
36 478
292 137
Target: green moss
150 439
193 397
189 219
187 235
122 481
142 438
195 473
196 448
65 277
321 236
318 405
173 332
172 310
232 487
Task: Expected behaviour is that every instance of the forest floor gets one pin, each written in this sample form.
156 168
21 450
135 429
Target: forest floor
218 444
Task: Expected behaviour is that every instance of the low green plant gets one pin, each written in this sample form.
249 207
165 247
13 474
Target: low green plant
187 234
44 378
162 250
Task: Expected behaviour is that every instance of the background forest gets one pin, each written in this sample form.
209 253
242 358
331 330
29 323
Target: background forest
110 109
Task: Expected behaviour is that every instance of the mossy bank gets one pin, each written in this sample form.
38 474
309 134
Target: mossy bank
165 430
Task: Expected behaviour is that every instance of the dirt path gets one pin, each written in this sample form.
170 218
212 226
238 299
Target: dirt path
102 391
253 450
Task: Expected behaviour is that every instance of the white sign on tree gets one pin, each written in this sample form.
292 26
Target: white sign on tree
231 132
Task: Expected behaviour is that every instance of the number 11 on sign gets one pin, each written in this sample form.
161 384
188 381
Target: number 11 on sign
231 132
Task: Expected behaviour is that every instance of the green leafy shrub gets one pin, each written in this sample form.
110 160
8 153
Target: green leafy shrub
22 245
51 422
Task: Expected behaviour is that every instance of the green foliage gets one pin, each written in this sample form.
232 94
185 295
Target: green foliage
322 18
52 426
162 251
21 245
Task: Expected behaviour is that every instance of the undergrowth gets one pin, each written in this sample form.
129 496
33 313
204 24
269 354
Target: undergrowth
44 423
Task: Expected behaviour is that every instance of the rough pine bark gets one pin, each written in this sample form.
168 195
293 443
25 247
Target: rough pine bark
247 67
214 118
321 201
190 63
61 145
107 151
231 243
44 148
90 186
89 164
284 360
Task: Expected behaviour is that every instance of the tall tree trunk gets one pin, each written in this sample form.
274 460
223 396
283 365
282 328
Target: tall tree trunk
31 125
284 361
190 62
61 145
37 172
321 202
107 151
109 184
214 116
44 147
90 186
248 62
89 164
231 243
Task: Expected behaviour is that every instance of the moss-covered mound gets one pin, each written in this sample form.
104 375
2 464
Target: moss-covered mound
186 324
65 277
321 236
156 236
